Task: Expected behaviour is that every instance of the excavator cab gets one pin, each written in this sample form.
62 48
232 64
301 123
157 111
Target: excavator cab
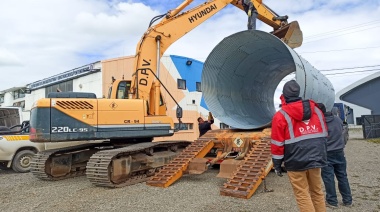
119 89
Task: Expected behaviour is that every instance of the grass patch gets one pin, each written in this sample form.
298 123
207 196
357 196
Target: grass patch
374 140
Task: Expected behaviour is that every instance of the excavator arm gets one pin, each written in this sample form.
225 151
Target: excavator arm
157 39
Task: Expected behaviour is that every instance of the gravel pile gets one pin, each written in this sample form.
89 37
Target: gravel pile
23 192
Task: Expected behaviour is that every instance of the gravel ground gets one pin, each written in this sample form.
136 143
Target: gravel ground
23 192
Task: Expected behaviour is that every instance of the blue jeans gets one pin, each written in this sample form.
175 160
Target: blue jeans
336 165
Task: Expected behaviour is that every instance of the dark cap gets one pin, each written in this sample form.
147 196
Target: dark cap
291 89
322 107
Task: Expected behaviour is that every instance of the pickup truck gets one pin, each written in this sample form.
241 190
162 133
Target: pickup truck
16 150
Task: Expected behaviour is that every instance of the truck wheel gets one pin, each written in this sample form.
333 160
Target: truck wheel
21 161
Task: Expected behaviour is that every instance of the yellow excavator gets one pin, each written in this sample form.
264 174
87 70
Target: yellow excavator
133 114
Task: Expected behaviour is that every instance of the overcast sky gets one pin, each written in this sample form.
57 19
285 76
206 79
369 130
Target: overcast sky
41 38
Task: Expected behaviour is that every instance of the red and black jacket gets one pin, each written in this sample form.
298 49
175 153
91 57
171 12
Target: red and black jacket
299 135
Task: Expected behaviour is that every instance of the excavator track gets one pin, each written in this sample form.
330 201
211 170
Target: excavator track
250 173
99 169
41 163
175 169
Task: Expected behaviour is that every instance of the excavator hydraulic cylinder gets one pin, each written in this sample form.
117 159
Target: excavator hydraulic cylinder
242 72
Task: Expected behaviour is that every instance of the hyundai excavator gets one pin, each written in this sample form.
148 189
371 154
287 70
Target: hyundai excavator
133 114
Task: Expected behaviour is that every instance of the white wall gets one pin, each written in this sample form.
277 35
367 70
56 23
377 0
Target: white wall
8 99
30 99
90 83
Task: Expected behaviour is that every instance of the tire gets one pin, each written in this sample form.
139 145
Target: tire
21 161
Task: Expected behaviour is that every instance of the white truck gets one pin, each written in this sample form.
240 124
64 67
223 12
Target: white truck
16 151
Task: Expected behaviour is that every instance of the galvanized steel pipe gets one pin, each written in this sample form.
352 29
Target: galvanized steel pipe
241 74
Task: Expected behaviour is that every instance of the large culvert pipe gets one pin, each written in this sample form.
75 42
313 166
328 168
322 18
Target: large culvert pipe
241 74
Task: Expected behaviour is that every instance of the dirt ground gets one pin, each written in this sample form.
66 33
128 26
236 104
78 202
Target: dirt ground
23 192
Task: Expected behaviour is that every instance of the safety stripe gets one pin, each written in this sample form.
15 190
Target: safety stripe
16 137
277 156
304 137
290 125
319 113
277 143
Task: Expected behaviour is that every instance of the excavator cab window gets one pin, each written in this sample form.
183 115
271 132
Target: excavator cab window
122 89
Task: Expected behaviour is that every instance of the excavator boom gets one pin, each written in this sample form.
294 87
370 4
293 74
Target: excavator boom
157 39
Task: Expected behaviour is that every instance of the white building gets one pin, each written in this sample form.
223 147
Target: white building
362 96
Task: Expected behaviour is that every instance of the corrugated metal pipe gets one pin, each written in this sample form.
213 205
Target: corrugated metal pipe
242 72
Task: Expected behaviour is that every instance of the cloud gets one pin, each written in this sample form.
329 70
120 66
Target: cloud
7 58
54 37
41 38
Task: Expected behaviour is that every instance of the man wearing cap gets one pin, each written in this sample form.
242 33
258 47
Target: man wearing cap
337 164
299 140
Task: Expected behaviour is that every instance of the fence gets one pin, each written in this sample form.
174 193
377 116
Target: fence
371 126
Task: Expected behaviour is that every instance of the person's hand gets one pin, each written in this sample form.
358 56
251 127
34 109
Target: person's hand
277 166
249 13
210 117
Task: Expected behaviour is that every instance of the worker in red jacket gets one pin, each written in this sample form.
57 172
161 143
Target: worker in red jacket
299 140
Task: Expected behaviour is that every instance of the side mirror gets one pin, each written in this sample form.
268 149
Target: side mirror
179 112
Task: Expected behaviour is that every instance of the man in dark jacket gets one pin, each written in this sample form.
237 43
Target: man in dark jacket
205 126
299 139
335 111
336 162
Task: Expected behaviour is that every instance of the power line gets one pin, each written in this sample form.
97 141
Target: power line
340 35
343 29
348 72
336 69
338 50
339 73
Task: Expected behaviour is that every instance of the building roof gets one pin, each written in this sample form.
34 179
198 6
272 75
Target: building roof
363 93
11 89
